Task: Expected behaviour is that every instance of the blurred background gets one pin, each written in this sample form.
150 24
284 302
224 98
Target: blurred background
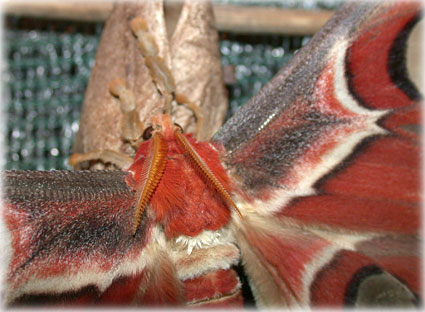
49 53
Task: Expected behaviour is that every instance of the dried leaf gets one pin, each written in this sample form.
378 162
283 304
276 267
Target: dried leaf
118 56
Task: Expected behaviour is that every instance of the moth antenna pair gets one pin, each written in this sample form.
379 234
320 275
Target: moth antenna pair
154 167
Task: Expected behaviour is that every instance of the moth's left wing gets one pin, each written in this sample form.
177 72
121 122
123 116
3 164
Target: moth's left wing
68 240
69 236
327 156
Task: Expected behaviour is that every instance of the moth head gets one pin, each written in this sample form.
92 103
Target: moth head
162 123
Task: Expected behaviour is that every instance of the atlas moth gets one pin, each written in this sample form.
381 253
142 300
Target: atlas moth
313 185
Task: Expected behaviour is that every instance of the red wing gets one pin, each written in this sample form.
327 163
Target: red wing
328 158
70 239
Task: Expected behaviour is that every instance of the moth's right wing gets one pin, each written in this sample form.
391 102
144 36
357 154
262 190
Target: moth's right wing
327 156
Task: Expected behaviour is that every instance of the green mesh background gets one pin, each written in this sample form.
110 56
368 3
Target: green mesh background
48 67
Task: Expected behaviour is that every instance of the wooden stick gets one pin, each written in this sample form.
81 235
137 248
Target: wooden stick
267 20
90 11
229 18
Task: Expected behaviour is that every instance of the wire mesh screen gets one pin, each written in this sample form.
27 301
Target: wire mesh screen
48 67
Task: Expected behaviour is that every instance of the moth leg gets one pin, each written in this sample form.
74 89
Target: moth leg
161 74
120 160
159 71
131 131
131 126
197 110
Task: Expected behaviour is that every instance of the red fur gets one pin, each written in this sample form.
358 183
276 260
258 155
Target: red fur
211 285
184 202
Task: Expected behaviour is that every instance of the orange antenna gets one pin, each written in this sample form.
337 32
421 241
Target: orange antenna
153 169
204 169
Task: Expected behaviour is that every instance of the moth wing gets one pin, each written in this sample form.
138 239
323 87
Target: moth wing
69 240
64 225
327 156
